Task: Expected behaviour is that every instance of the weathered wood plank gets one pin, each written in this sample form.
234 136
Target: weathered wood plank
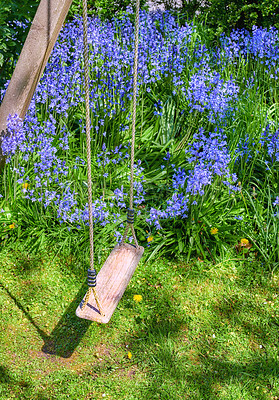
112 281
40 41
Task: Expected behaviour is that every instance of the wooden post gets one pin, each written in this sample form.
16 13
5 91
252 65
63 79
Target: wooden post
40 41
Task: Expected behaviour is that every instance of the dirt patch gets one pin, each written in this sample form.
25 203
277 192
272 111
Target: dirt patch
55 362
103 351
53 358
75 362
129 372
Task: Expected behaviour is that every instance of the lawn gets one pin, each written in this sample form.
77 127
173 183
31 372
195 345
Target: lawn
200 331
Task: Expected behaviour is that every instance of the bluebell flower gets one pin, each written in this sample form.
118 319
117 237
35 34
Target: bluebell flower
208 91
209 159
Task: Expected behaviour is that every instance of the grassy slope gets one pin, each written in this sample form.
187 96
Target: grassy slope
200 332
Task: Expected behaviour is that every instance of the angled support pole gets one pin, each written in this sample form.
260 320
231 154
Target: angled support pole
37 48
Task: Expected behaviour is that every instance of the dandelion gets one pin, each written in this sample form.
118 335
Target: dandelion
213 231
137 298
12 226
149 239
244 246
25 185
129 355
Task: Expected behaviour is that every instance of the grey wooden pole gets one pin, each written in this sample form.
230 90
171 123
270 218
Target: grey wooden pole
37 48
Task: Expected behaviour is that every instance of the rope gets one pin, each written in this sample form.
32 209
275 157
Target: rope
130 219
88 151
135 77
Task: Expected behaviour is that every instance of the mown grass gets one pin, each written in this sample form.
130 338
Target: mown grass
200 332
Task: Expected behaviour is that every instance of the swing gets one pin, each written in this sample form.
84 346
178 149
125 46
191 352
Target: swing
106 289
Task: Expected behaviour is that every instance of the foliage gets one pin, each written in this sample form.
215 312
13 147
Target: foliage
76 8
225 15
207 132
14 18
241 14
105 9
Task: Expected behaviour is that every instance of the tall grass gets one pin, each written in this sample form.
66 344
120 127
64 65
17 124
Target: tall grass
206 142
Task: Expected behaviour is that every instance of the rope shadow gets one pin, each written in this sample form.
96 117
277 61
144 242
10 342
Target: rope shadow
68 332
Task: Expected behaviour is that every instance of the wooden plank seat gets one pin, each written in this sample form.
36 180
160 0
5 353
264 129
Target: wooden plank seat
112 280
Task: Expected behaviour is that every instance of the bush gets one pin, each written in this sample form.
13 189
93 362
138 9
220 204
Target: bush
225 15
14 18
105 9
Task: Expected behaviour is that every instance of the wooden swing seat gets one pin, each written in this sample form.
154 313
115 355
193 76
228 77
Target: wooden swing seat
112 280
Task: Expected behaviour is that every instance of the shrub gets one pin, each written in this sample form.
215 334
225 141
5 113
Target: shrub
14 18
225 15
105 9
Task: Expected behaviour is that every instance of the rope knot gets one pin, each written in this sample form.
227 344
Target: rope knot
91 277
130 215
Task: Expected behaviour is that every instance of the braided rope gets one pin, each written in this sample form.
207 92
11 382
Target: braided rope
136 55
135 77
88 150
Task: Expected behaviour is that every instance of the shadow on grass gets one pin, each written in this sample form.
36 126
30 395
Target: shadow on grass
186 363
5 377
19 388
68 332
259 371
155 337
199 373
23 261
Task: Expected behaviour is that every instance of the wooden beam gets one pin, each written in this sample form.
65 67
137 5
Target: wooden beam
40 41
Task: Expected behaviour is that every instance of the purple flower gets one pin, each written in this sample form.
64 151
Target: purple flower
14 139
208 91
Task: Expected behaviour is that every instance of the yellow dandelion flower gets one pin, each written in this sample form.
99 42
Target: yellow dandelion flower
149 239
244 242
137 298
129 355
213 231
12 226
25 185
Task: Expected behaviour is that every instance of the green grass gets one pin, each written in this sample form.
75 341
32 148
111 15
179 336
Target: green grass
200 332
